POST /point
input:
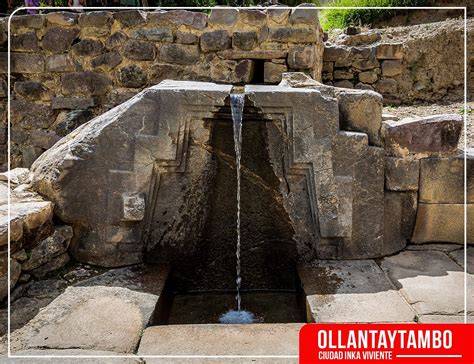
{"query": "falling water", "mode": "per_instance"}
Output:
(237, 109)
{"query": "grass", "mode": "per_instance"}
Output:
(341, 18)
(469, 111)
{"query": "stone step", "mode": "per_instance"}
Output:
(106, 313)
(351, 291)
(219, 339)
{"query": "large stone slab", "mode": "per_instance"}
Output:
(443, 223)
(26, 213)
(68, 357)
(442, 180)
(402, 174)
(89, 318)
(351, 291)
(399, 219)
(423, 137)
(458, 257)
(361, 110)
(152, 132)
(218, 339)
(430, 281)
(348, 200)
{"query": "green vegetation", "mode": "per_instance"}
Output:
(340, 18)
(469, 111)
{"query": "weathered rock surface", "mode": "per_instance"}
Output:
(221, 16)
(89, 318)
(361, 111)
(130, 18)
(399, 218)
(215, 41)
(139, 51)
(27, 63)
(136, 125)
(179, 54)
(60, 63)
(85, 83)
(273, 72)
(402, 174)
(251, 339)
(458, 257)
(72, 103)
(391, 68)
(442, 180)
(193, 19)
(17, 176)
(443, 223)
(26, 214)
(424, 136)
(430, 281)
(49, 248)
(15, 270)
(87, 48)
(32, 90)
(131, 76)
(59, 40)
(351, 291)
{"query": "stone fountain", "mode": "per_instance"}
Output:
(152, 179)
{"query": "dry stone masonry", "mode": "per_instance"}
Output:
(409, 64)
(70, 67)
(37, 245)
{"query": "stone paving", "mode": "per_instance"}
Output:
(424, 283)
(108, 314)
(352, 291)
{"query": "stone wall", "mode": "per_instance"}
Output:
(405, 64)
(67, 68)
(37, 245)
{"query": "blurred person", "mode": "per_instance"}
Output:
(32, 4)
(76, 3)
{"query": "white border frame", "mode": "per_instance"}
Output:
(85, 9)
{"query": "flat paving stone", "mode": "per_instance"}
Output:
(444, 319)
(139, 278)
(431, 281)
(458, 257)
(352, 291)
(89, 318)
(72, 352)
(220, 339)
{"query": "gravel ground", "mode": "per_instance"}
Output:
(405, 111)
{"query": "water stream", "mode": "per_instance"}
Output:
(237, 109)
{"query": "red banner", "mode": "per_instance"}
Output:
(395, 343)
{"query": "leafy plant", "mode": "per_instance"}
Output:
(341, 18)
